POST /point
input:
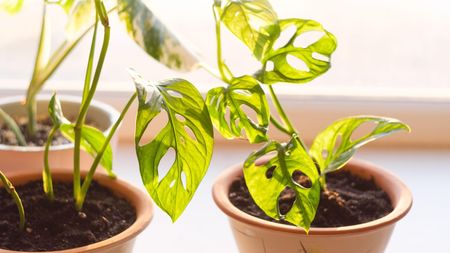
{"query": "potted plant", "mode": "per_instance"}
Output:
(288, 197)
(24, 123)
(74, 216)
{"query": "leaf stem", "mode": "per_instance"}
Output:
(278, 125)
(87, 80)
(223, 69)
(211, 70)
(46, 174)
(289, 128)
(88, 179)
(39, 63)
(12, 191)
(86, 103)
(11, 124)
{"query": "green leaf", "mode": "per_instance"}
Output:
(334, 147)
(254, 22)
(188, 132)
(11, 6)
(283, 161)
(92, 139)
(316, 55)
(154, 37)
(243, 92)
(56, 113)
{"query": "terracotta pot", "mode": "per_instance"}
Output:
(14, 158)
(254, 235)
(120, 243)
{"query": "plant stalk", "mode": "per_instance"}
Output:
(223, 69)
(40, 62)
(46, 174)
(88, 179)
(11, 124)
(86, 103)
(9, 187)
(289, 128)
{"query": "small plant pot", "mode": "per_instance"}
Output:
(254, 235)
(16, 158)
(120, 243)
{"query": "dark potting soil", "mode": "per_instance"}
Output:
(43, 127)
(349, 200)
(57, 225)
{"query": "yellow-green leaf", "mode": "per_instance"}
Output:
(266, 181)
(334, 146)
(254, 22)
(188, 132)
(243, 93)
(314, 57)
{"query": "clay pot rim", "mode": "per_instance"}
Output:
(112, 113)
(398, 192)
(138, 198)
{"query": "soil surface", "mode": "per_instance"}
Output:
(43, 126)
(349, 200)
(57, 225)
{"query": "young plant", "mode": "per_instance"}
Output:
(257, 25)
(189, 131)
(154, 38)
(9, 188)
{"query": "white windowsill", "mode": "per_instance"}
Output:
(311, 108)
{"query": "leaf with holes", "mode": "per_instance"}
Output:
(315, 55)
(254, 22)
(155, 38)
(11, 6)
(334, 147)
(92, 139)
(188, 131)
(267, 176)
(243, 92)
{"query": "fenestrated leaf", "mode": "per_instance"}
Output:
(11, 6)
(92, 139)
(254, 22)
(188, 132)
(316, 56)
(265, 189)
(334, 147)
(154, 37)
(243, 91)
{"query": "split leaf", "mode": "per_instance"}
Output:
(267, 179)
(188, 132)
(311, 59)
(244, 92)
(334, 147)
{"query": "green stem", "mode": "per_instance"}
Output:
(12, 191)
(284, 118)
(211, 70)
(88, 179)
(87, 79)
(223, 69)
(12, 125)
(280, 126)
(85, 105)
(39, 63)
(46, 174)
